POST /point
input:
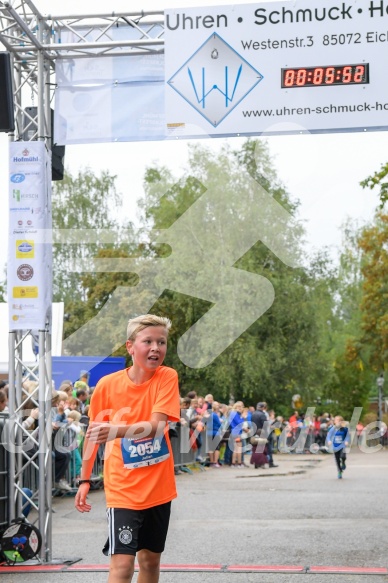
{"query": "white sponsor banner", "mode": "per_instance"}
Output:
(29, 268)
(314, 66)
(108, 99)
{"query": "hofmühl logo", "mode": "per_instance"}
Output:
(25, 157)
(25, 272)
(215, 79)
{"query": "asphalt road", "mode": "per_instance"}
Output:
(296, 514)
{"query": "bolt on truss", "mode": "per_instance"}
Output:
(35, 42)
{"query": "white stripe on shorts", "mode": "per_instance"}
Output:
(111, 524)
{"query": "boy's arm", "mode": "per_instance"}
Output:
(88, 458)
(102, 432)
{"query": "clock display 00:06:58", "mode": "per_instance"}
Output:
(325, 76)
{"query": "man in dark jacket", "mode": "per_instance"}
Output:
(259, 417)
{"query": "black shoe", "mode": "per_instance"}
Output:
(273, 466)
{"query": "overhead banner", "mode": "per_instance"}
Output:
(29, 268)
(110, 99)
(250, 69)
(308, 66)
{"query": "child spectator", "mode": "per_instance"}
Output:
(77, 434)
(213, 433)
(61, 458)
(236, 426)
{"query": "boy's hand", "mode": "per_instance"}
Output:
(101, 432)
(80, 498)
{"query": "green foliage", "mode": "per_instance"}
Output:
(378, 179)
(281, 352)
(353, 381)
(80, 202)
(374, 304)
(302, 344)
(2, 292)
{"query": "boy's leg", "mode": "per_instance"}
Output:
(121, 568)
(149, 566)
(337, 455)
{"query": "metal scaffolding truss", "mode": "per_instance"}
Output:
(25, 32)
(35, 42)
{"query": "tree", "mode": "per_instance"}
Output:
(374, 304)
(350, 375)
(378, 179)
(79, 202)
(297, 346)
(280, 351)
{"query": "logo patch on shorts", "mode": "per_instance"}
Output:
(125, 535)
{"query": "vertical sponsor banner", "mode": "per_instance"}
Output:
(29, 271)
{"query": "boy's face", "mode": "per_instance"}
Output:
(149, 347)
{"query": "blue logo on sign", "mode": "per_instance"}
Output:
(17, 178)
(215, 79)
(25, 248)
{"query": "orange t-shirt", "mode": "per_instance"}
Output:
(138, 473)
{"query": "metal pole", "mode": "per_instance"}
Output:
(18, 433)
(11, 433)
(49, 458)
(45, 482)
(380, 413)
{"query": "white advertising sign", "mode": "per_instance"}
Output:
(281, 67)
(29, 268)
(109, 99)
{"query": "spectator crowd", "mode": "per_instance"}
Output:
(221, 435)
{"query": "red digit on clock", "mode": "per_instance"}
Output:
(318, 76)
(289, 78)
(359, 74)
(301, 77)
(347, 74)
(329, 75)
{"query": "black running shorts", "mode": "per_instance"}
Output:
(133, 530)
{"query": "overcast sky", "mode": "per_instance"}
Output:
(323, 171)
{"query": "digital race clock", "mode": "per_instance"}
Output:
(325, 76)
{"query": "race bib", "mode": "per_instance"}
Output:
(138, 453)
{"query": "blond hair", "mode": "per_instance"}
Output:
(136, 325)
(75, 415)
(58, 396)
(339, 420)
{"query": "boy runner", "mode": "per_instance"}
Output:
(337, 440)
(129, 411)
